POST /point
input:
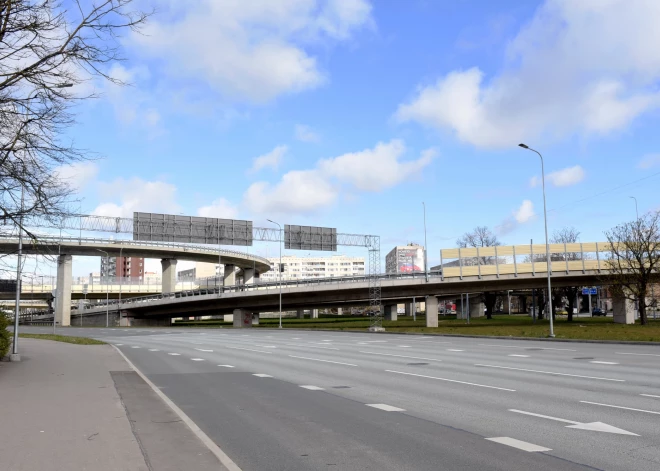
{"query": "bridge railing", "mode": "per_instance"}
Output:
(524, 259)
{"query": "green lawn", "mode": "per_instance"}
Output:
(597, 328)
(62, 338)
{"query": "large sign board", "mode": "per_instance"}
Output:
(8, 286)
(191, 229)
(310, 238)
(410, 260)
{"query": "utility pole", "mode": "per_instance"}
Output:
(279, 268)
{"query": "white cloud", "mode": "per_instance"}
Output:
(253, 50)
(220, 208)
(303, 191)
(272, 159)
(136, 194)
(522, 215)
(306, 134)
(525, 212)
(375, 169)
(566, 177)
(559, 79)
(649, 161)
(299, 191)
(79, 174)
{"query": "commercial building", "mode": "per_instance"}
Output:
(405, 259)
(300, 268)
(124, 267)
(200, 271)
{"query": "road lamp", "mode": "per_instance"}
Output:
(107, 293)
(547, 245)
(636, 210)
(426, 264)
(279, 268)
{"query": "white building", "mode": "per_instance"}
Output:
(300, 268)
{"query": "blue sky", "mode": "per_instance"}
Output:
(350, 113)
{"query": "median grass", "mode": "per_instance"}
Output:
(62, 338)
(583, 328)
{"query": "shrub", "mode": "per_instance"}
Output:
(5, 335)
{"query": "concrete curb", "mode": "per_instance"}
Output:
(427, 334)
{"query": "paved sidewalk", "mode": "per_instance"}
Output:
(60, 410)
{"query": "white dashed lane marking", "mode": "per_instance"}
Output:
(197, 359)
(649, 395)
(311, 388)
(520, 356)
(135, 346)
(525, 446)
(550, 373)
(386, 407)
(454, 350)
(621, 407)
(604, 362)
(226, 366)
(261, 375)
(324, 361)
(154, 350)
(204, 350)
(174, 354)
(451, 380)
(399, 356)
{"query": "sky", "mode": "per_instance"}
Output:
(352, 113)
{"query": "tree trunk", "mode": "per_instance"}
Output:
(489, 301)
(540, 304)
(642, 306)
(571, 295)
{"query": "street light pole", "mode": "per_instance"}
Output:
(107, 293)
(14, 350)
(636, 210)
(426, 264)
(279, 269)
(547, 244)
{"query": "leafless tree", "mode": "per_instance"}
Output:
(634, 261)
(47, 47)
(566, 235)
(480, 236)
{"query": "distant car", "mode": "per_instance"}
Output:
(561, 312)
(598, 312)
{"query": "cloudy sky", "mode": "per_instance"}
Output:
(351, 113)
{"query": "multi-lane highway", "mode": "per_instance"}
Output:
(300, 400)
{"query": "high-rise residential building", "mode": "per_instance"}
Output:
(124, 267)
(405, 259)
(300, 268)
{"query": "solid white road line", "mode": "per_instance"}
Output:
(197, 359)
(174, 354)
(604, 362)
(639, 354)
(386, 407)
(549, 372)
(400, 356)
(204, 350)
(261, 375)
(451, 380)
(248, 349)
(154, 350)
(512, 442)
(520, 356)
(621, 407)
(226, 366)
(649, 395)
(311, 388)
(324, 361)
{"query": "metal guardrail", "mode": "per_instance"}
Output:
(41, 239)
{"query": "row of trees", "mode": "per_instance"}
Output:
(633, 263)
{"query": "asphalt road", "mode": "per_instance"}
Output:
(300, 400)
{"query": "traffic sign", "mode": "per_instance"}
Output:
(587, 291)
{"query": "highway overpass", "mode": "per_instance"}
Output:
(250, 266)
(479, 270)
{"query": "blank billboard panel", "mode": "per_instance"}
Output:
(310, 238)
(191, 229)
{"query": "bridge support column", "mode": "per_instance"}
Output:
(408, 306)
(230, 275)
(169, 274)
(431, 311)
(248, 276)
(623, 310)
(255, 318)
(242, 318)
(301, 313)
(340, 311)
(461, 309)
(315, 314)
(63, 299)
(391, 313)
(476, 308)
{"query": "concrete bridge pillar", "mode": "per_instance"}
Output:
(623, 310)
(431, 311)
(408, 306)
(242, 318)
(315, 314)
(230, 275)
(169, 274)
(461, 309)
(391, 313)
(340, 311)
(476, 308)
(301, 313)
(63, 299)
(248, 276)
(255, 318)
